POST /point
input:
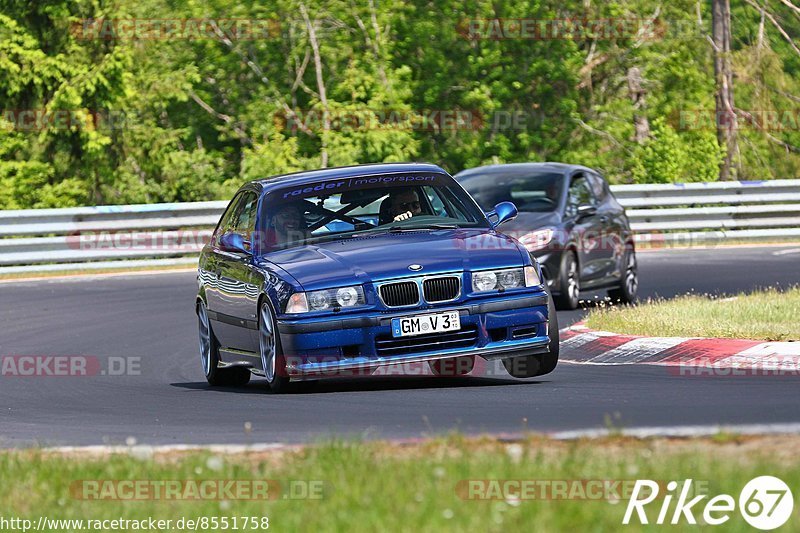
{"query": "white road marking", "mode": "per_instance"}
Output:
(681, 431)
(68, 278)
(224, 449)
(589, 433)
(787, 252)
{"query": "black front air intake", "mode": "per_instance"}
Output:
(400, 294)
(441, 289)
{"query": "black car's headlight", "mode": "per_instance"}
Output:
(342, 297)
(538, 239)
(507, 278)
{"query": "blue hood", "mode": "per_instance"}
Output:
(388, 255)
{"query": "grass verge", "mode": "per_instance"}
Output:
(16, 276)
(770, 315)
(385, 486)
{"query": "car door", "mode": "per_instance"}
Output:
(587, 230)
(211, 265)
(239, 283)
(610, 215)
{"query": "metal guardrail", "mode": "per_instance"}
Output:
(711, 212)
(85, 238)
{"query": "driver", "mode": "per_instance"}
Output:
(289, 224)
(404, 205)
(551, 191)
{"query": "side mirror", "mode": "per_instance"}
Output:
(586, 210)
(234, 242)
(504, 211)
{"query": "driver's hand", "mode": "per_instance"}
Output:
(403, 216)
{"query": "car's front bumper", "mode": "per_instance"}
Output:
(498, 328)
(550, 264)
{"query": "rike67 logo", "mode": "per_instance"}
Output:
(765, 503)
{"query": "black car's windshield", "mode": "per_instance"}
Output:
(538, 192)
(319, 211)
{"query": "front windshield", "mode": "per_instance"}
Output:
(342, 208)
(537, 192)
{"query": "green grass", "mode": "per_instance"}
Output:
(769, 314)
(382, 486)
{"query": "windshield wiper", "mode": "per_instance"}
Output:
(423, 226)
(399, 229)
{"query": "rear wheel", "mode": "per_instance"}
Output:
(269, 345)
(569, 283)
(455, 366)
(209, 356)
(626, 292)
(529, 366)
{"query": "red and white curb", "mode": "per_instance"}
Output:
(582, 345)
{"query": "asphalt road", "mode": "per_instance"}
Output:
(148, 322)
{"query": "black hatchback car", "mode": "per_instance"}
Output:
(569, 220)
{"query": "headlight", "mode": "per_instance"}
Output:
(304, 302)
(484, 281)
(347, 296)
(507, 278)
(319, 300)
(537, 240)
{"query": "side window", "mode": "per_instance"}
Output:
(580, 193)
(436, 202)
(226, 222)
(246, 219)
(598, 187)
(453, 205)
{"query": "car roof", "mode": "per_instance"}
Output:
(353, 171)
(523, 168)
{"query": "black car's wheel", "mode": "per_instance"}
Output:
(626, 292)
(569, 283)
(209, 356)
(269, 345)
(538, 365)
(455, 366)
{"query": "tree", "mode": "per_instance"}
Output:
(723, 74)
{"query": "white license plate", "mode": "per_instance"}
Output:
(425, 324)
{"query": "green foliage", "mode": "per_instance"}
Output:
(180, 119)
(667, 157)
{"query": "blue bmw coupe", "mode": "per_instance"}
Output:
(337, 272)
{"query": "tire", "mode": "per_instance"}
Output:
(454, 366)
(626, 292)
(529, 366)
(569, 282)
(209, 356)
(271, 351)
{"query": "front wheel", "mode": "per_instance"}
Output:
(269, 345)
(627, 291)
(209, 356)
(569, 282)
(529, 366)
